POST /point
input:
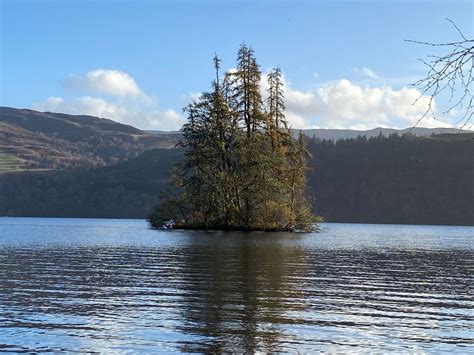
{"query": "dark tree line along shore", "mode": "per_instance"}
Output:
(411, 180)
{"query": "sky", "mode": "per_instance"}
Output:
(346, 64)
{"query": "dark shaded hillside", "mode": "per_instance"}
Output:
(125, 190)
(378, 180)
(426, 180)
(45, 140)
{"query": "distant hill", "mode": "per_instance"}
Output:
(336, 134)
(46, 140)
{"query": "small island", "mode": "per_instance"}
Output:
(243, 168)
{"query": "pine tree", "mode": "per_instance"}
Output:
(276, 101)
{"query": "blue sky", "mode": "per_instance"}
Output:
(346, 63)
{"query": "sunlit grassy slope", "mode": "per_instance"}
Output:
(9, 162)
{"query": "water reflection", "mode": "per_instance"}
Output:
(238, 291)
(132, 290)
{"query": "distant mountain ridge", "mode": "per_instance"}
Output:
(336, 134)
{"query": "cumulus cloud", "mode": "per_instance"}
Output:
(85, 105)
(106, 81)
(120, 90)
(166, 120)
(95, 106)
(343, 104)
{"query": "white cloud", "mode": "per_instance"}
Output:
(106, 81)
(297, 121)
(370, 73)
(120, 105)
(95, 106)
(85, 105)
(166, 120)
(342, 104)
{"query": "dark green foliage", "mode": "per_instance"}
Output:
(243, 170)
(410, 180)
(126, 190)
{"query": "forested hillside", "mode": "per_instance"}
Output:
(125, 190)
(425, 180)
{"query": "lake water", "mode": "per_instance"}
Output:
(117, 286)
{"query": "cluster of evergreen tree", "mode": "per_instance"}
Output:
(243, 168)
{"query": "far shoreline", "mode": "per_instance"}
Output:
(183, 229)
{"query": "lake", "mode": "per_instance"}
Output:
(116, 286)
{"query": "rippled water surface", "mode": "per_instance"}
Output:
(116, 286)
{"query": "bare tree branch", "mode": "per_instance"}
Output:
(451, 73)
